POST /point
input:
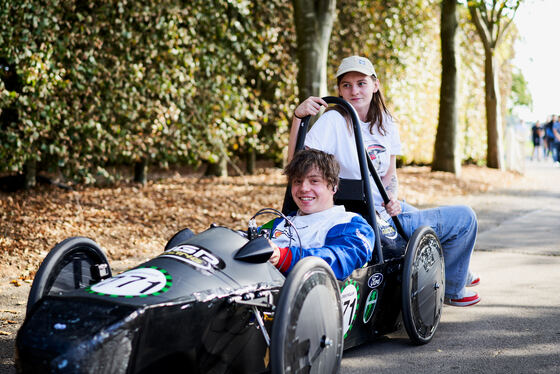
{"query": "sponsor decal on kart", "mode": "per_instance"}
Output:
(197, 257)
(349, 297)
(139, 282)
(369, 307)
(375, 280)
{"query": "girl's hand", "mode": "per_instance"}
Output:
(393, 207)
(310, 107)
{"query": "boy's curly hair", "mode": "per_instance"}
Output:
(307, 159)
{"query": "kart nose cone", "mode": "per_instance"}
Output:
(77, 336)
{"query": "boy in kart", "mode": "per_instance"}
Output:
(343, 239)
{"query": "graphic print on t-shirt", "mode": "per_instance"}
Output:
(374, 152)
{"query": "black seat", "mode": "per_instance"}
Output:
(350, 193)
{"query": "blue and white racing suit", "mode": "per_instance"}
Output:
(343, 239)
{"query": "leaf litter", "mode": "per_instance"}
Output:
(130, 221)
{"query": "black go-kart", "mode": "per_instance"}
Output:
(212, 303)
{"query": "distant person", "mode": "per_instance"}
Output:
(516, 137)
(549, 136)
(556, 141)
(537, 133)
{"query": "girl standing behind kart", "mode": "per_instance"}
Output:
(456, 226)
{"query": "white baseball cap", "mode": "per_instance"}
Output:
(356, 63)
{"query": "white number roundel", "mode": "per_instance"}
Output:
(349, 299)
(136, 282)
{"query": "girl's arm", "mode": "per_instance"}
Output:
(309, 107)
(390, 180)
(391, 183)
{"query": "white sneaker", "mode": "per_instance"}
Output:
(472, 280)
(469, 299)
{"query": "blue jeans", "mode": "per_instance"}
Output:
(555, 151)
(456, 228)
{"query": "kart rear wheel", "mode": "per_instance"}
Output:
(423, 285)
(307, 330)
(73, 263)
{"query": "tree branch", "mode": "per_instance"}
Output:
(483, 31)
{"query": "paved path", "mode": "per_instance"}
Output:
(516, 326)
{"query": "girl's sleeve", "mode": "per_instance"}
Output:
(322, 135)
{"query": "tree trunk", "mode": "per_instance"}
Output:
(251, 161)
(446, 157)
(29, 174)
(218, 169)
(313, 20)
(491, 23)
(141, 171)
(494, 158)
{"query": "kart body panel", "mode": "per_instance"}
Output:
(185, 310)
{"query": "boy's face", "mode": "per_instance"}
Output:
(311, 192)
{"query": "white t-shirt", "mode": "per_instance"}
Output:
(331, 134)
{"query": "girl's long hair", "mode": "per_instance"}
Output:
(375, 112)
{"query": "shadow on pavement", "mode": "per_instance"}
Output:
(497, 340)
(7, 355)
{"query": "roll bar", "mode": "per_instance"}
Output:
(366, 169)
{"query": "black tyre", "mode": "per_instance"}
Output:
(73, 263)
(423, 285)
(179, 238)
(307, 330)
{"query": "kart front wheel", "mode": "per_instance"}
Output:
(423, 285)
(73, 263)
(307, 330)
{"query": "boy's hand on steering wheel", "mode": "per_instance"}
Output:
(309, 107)
(275, 255)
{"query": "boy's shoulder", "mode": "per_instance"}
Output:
(348, 217)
